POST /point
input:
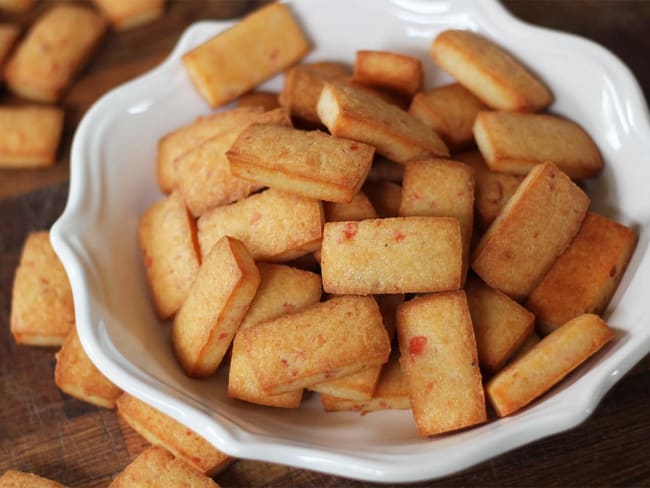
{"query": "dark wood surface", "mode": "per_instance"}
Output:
(45, 431)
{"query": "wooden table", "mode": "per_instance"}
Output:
(49, 433)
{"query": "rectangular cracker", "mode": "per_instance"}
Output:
(398, 255)
(450, 110)
(357, 386)
(355, 114)
(492, 190)
(385, 196)
(501, 325)
(359, 208)
(515, 143)
(303, 84)
(275, 226)
(585, 277)
(29, 136)
(203, 174)
(441, 188)
(282, 290)
(439, 360)
(534, 228)
(317, 343)
(161, 430)
(182, 140)
(169, 246)
(264, 99)
(547, 363)
(157, 467)
(56, 47)
(311, 164)
(42, 311)
(261, 45)
(76, 375)
(19, 479)
(127, 14)
(389, 70)
(489, 72)
(218, 301)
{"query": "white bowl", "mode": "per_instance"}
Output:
(113, 182)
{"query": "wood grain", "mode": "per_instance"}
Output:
(47, 432)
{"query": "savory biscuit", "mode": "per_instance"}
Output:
(359, 208)
(18, 479)
(389, 70)
(489, 72)
(126, 14)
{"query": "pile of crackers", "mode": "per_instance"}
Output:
(40, 66)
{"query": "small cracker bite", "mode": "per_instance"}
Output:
(155, 467)
(489, 72)
(168, 242)
(42, 311)
(163, 431)
(215, 306)
(355, 114)
(18, 479)
(389, 70)
(127, 14)
(77, 376)
(71, 33)
(269, 40)
(29, 136)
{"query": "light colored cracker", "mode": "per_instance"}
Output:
(585, 277)
(385, 169)
(317, 343)
(311, 164)
(534, 228)
(42, 311)
(492, 190)
(303, 84)
(261, 45)
(56, 47)
(18, 479)
(264, 99)
(547, 363)
(163, 431)
(127, 14)
(29, 136)
(359, 208)
(439, 360)
(489, 72)
(203, 174)
(450, 110)
(155, 467)
(168, 242)
(385, 196)
(357, 386)
(76, 375)
(16, 6)
(501, 325)
(355, 114)
(398, 255)
(282, 290)
(515, 143)
(218, 301)
(274, 226)
(389, 70)
(441, 188)
(182, 140)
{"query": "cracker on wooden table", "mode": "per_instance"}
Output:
(18, 479)
(161, 430)
(266, 100)
(16, 6)
(56, 47)
(534, 228)
(547, 363)
(282, 290)
(269, 40)
(389, 70)
(450, 110)
(385, 196)
(42, 311)
(396, 255)
(439, 360)
(355, 114)
(127, 14)
(29, 136)
(274, 226)
(76, 375)
(218, 301)
(308, 163)
(489, 72)
(317, 344)
(155, 467)
(585, 277)
(515, 143)
(168, 242)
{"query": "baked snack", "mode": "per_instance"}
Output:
(127, 14)
(18, 479)
(389, 70)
